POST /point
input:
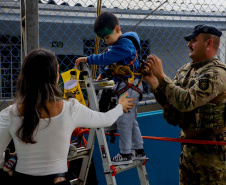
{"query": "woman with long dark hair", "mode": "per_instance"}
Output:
(40, 122)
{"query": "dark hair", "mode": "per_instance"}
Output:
(216, 40)
(37, 85)
(105, 20)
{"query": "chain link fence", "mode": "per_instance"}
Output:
(66, 28)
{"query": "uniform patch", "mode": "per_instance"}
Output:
(204, 84)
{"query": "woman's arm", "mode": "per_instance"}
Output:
(5, 136)
(85, 117)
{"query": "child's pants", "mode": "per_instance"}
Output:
(130, 136)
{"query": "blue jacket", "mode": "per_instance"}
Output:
(122, 52)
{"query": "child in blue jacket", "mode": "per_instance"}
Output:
(122, 51)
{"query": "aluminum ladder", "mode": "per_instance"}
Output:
(109, 170)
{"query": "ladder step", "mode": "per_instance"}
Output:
(122, 168)
(98, 85)
(135, 163)
(74, 181)
(112, 127)
(81, 152)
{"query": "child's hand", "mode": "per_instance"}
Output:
(81, 59)
(126, 102)
(100, 77)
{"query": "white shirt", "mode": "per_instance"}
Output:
(49, 154)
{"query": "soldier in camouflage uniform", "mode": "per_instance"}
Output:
(195, 100)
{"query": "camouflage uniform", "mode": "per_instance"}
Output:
(195, 100)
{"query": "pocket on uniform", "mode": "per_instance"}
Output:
(217, 175)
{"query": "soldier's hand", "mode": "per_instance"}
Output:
(156, 67)
(150, 78)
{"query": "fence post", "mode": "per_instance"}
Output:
(29, 26)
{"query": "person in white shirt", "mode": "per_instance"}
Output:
(40, 122)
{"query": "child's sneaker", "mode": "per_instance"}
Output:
(121, 159)
(138, 154)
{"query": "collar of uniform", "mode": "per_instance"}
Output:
(197, 65)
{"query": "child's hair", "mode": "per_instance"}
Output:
(37, 85)
(105, 20)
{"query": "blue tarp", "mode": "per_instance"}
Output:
(162, 167)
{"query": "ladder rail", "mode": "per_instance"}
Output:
(92, 135)
(87, 160)
(99, 132)
(143, 175)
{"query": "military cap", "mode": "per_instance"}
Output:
(203, 28)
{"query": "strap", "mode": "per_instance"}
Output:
(132, 61)
(124, 89)
(121, 91)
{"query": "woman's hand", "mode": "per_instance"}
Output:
(10, 161)
(126, 102)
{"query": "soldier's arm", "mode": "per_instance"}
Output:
(207, 87)
(154, 84)
(160, 97)
(159, 94)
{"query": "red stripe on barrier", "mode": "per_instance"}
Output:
(201, 142)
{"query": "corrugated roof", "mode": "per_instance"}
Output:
(172, 5)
